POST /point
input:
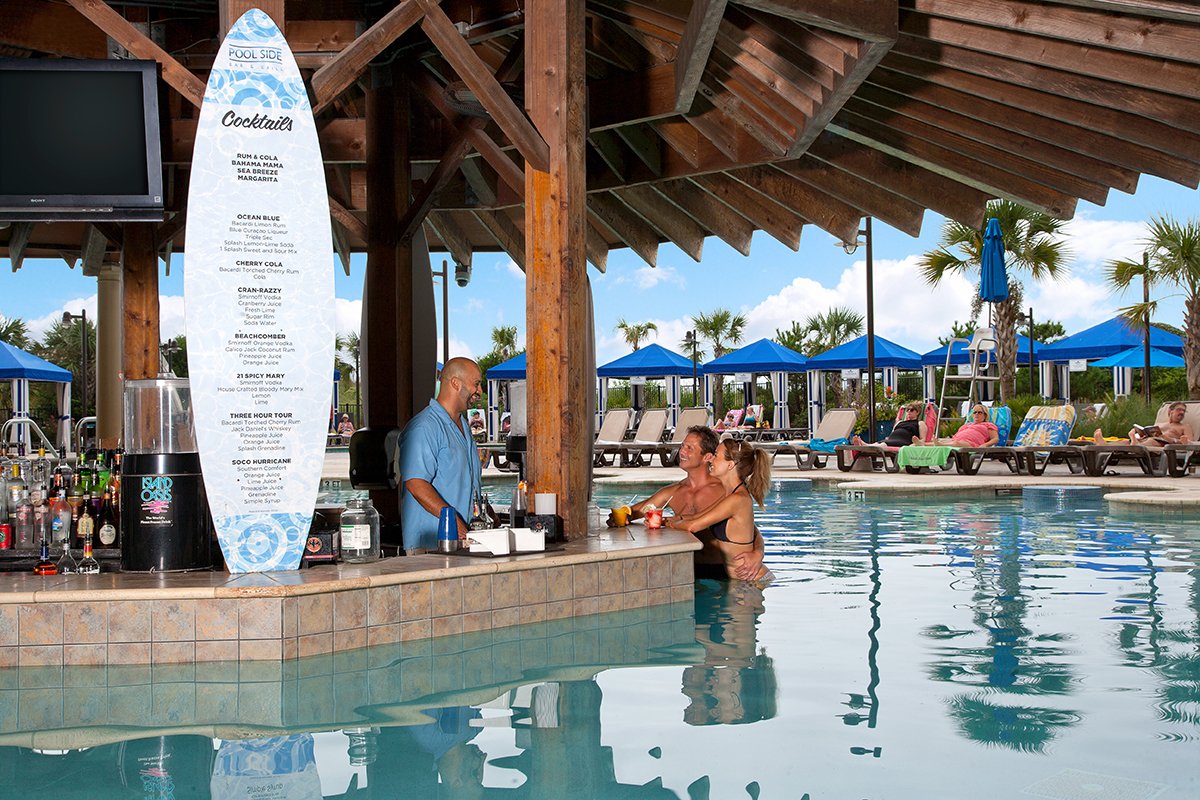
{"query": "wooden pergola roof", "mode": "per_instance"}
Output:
(705, 118)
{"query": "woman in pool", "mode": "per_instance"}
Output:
(978, 432)
(744, 470)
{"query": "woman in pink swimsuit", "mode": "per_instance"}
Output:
(979, 432)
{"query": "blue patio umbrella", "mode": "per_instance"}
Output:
(993, 278)
(1135, 357)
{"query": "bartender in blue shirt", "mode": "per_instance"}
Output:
(438, 459)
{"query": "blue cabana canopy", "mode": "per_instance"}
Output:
(511, 370)
(1136, 357)
(652, 361)
(16, 364)
(937, 358)
(761, 356)
(853, 354)
(1107, 339)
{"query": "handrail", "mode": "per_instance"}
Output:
(24, 421)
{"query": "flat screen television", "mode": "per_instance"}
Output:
(79, 140)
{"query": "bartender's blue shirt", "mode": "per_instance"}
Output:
(434, 449)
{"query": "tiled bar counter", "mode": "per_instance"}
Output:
(184, 618)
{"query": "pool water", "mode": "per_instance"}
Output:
(999, 647)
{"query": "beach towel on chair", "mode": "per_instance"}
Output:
(823, 446)
(1046, 426)
(1001, 417)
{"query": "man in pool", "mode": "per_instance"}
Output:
(697, 491)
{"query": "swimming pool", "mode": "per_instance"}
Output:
(995, 647)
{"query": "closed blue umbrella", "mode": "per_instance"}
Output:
(993, 278)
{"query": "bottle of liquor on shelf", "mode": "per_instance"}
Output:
(39, 478)
(108, 528)
(15, 489)
(86, 526)
(88, 565)
(60, 518)
(5, 511)
(103, 469)
(114, 489)
(66, 562)
(478, 520)
(23, 522)
(45, 566)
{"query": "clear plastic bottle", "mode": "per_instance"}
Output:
(360, 531)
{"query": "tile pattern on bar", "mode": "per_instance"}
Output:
(191, 620)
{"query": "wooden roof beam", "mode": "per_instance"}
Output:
(51, 28)
(629, 228)
(629, 98)
(608, 146)
(505, 232)
(986, 177)
(595, 244)
(1128, 31)
(644, 145)
(871, 52)
(826, 212)
(1147, 118)
(644, 20)
(1097, 173)
(872, 20)
(483, 185)
(451, 235)
(345, 217)
(1106, 66)
(516, 126)
(710, 213)
(784, 45)
(872, 200)
(1178, 10)
(671, 222)
(343, 70)
(765, 213)
(1098, 146)
(18, 240)
(93, 251)
(125, 34)
(945, 195)
(456, 151)
(699, 35)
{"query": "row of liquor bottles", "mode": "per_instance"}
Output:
(41, 501)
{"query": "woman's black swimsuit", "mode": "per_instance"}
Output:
(718, 528)
(903, 433)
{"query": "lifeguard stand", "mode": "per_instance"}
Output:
(981, 352)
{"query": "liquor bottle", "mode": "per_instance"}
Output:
(23, 522)
(478, 520)
(84, 475)
(66, 562)
(516, 512)
(75, 500)
(114, 489)
(16, 488)
(86, 525)
(39, 478)
(60, 519)
(5, 511)
(103, 470)
(88, 565)
(45, 566)
(108, 529)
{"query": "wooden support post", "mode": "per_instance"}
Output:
(140, 290)
(560, 429)
(385, 355)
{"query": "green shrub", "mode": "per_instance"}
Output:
(1120, 416)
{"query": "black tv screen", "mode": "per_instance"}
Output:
(80, 140)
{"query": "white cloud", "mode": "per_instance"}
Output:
(647, 277)
(1074, 301)
(1094, 241)
(347, 316)
(472, 305)
(510, 266)
(457, 348)
(39, 325)
(907, 310)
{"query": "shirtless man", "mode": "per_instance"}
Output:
(1174, 431)
(697, 491)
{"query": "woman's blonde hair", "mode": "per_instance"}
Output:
(753, 466)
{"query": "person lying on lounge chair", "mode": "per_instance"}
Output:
(1171, 432)
(979, 432)
(912, 426)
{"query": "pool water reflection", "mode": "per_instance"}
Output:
(982, 648)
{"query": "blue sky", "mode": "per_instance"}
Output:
(772, 286)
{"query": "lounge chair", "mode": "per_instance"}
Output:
(882, 455)
(1040, 441)
(835, 428)
(611, 435)
(1173, 459)
(732, 418)
(647, 437)
(668, 451)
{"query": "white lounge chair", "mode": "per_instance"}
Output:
(647, 437)
(611, 435)
(836, 424)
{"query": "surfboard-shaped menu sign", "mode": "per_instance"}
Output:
(258, 289)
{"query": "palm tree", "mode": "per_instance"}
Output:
(634, 332)
(1032, 244)
(722, 329)
(822, 332)
(504, 341)
(1172, 256)
(15, 331)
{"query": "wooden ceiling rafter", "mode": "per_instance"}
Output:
(709, 213)
(670, 222)
(871, 20)
(1031, 121)
(823, 210)
(873, 200)
(31, 26)
(628, 227)
(766, 214)
(595, 245)
(975, 78)
(505, 232)
(451, 235)
(343, 70)
(695, 47)
(1101, 173)
(19, 234)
